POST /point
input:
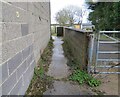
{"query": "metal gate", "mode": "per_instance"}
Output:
(107, 53)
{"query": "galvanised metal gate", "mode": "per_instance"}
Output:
(107, 53)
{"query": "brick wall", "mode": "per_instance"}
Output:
(24, 33)
(77, 41)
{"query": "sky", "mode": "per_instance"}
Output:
(57, 5)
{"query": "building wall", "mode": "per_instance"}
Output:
(77, 42)
(77, 26)
(25, 32)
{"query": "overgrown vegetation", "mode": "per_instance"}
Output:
(82, 77)
(40, 81)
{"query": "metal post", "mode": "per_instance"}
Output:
(97, 48)
(91, 45)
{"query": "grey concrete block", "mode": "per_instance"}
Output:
(31, 48)
(31, 22)
(24, 88)
(17, 88)
(8, 84)
(10, 31)
(0, 91)
(26, 81)
(0, 11)
(13, 14)
(26, 52)
(1, 34)
(22, 5)
(33, 65)
(26, 75)
(10, 48)
(24, 29)
(29, 59)
(29, 39)
(21, 69)
(1, 53)
(4, 71)
(14, 62)
(0, 75)
(30, 7)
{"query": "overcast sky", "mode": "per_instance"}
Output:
(57, 5)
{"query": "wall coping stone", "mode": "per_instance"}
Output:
(77, 30)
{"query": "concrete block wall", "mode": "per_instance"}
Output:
(24, 33)
(78, 42)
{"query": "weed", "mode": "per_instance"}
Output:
(40, 80)
(39, 71)
(82, 77)
(78, 75)
(93, 82)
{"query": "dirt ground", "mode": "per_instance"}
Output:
(109, 84)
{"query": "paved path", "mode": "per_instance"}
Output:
(59, 70)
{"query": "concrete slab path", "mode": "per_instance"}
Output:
(59, 70)
(58, 67)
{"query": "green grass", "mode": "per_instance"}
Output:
(103, 37)
(116, 36)
(54, 34)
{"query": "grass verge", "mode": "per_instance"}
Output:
(40, 81)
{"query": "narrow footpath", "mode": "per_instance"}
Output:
(59, 70)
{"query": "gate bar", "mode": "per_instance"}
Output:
(109, 52)
(109, 31)
(108, 72)
(109, 41)
(117, 60)
(107, 66)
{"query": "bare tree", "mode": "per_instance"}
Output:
(62, 17)
(70, 15)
